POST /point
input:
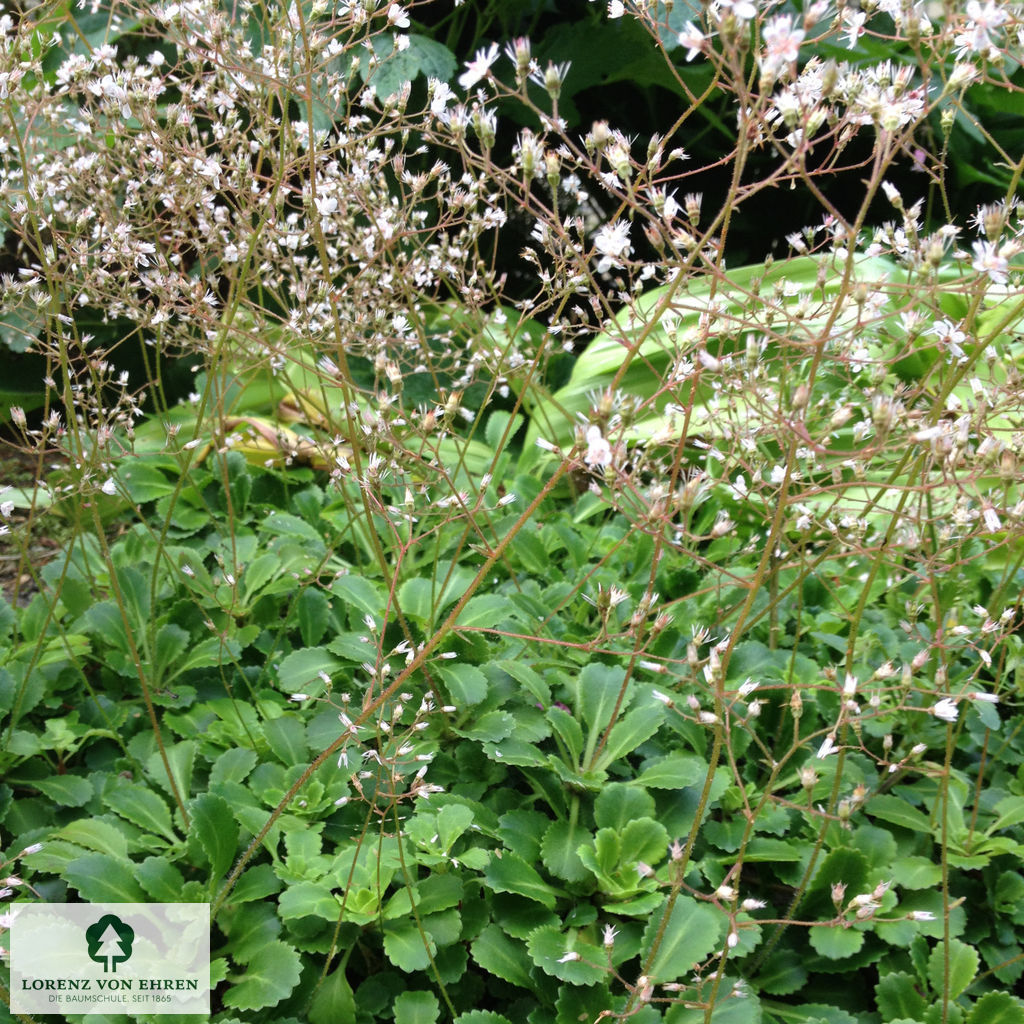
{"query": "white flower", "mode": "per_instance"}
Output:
(693, 39)
(988, 260)
(742, 9)
(109, 487)
(612, 242)
(616, 8)
(569, 957)
(946, 709)
(781, 44)
(397, 16)
(984, 698)
(827, 747)
(478, 67)
(599, 451)
(921, 915)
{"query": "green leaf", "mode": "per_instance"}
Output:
(286, 736)
(916, 873)
(676, 771)
(782, 974)
(644, 840)
(961, 961)
(270, 975)
(1008, 811)
(597, 690)
(466, 684)
(997, 1008)
(65, 790)
(688, 932)
(502, 956)
(309, 899)
(161, 879)
(256, 883)
(180, 757)
(423, 56)
(142, 481)
(101, 878)
(482, 1017)
(897, 996)
(510, 873)
(898, 812)
(416, 1008)
(559, 850)
(232, 766)
(488, 610)
(417, 599)
(548, 947)
(171, 642)
(836, 942)
(638, 726)
(214, 828)
(619, 803)
(142, 807)
(334, 1002)
(405, 947)
(569, 732)
(364, 596)
(500, 423)
(313, 611)
(299, 671)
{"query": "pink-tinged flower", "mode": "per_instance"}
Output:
(981, 22)
(599, 451)
(741, 9)
(781, 44)
(987, 260)
(478, 68)
(693, 39)
(854, 27)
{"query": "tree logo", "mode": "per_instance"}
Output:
(110, 942)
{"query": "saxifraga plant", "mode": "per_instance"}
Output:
(749, 743)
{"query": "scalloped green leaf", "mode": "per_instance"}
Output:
(313, 611)
(566, 956)
(835, 942)
(997, 1008)
(679, 936)
(676, 771)
(215, 830)
(405, 946)
(962, 961)
(270, 975)
(101, 878)
(502, 956)
(142, 807)
(510, 873)
(416, 1007)
(558, 850)
(334, 1002)
(65, 790)
(897, 996)
(161, 879)
(482, 1017)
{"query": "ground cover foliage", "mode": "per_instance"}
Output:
(536, 609)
